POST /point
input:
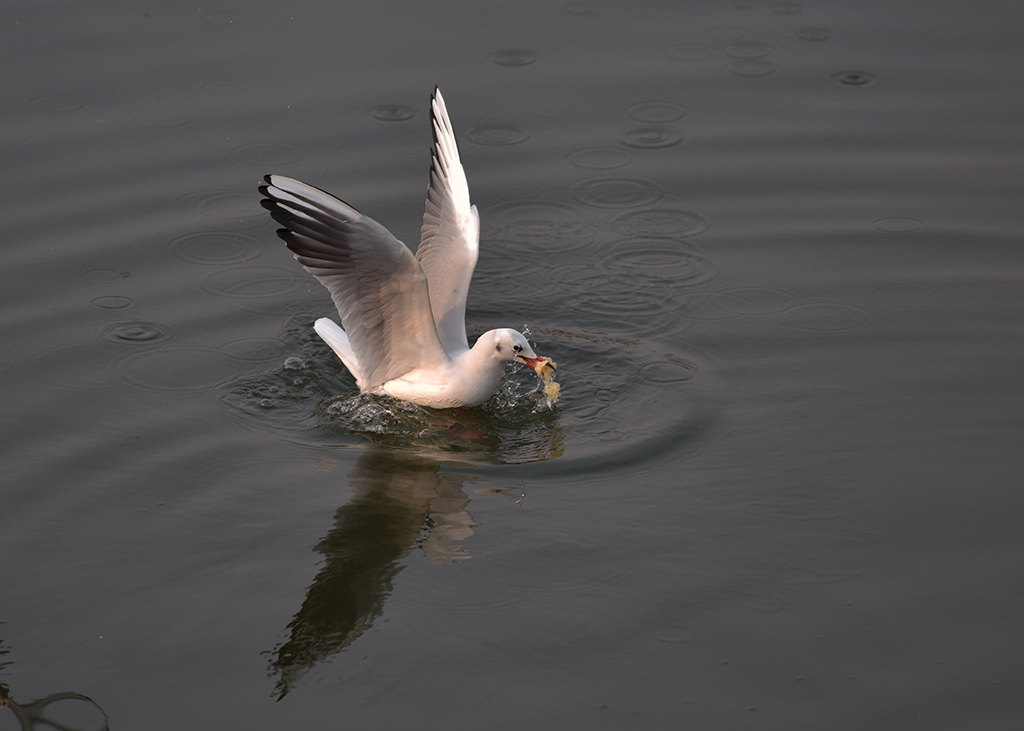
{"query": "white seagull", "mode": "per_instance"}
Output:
(403, 329)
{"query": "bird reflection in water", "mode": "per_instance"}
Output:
(401, 501)
(35, 715)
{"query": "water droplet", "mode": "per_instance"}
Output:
(656, 112)
(293, 364)
(215, 248)
(617, 192)
(266, 403)
(600, 158)
(391, 112)
(854, 79)
(650, 137)
(497, 135)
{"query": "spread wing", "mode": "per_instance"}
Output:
(376, 283)
(450, 236)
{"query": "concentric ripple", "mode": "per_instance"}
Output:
(537, 220)
(251, 282)
(497, 135)
(853, 79)
(113, 302)
(827, 316)
(103, 274)
(215, 248)
(752, 67)
(617, 192)
(176, 369)
(662, 222)
(600, 158)
(656, 112)
(224, 204)
(750, 301)
(391, 113)
(650, 137)
(137, 331)
(664, 262)
(607, 382)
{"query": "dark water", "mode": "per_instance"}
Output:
(774, 247)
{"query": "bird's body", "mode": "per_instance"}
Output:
(403, 327)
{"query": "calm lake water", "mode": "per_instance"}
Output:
(774, 247)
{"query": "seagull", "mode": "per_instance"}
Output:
(403, 317)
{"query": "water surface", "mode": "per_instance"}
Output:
(773, 246)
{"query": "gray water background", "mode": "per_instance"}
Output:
(775, 248)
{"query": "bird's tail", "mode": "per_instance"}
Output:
(337, 338)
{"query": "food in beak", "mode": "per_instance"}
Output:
(545, 369)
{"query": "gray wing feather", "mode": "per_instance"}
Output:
(450, 236)
(375, 281)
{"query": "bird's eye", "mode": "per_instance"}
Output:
(517, 348)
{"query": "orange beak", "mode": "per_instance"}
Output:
(532, 362)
